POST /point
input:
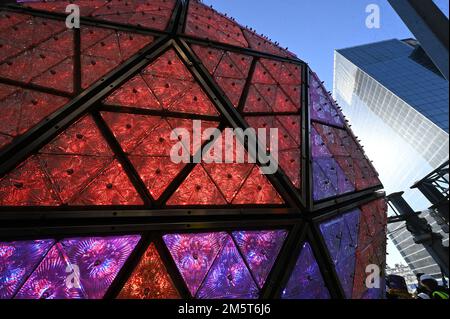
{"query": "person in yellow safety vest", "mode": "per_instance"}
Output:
(431, 287)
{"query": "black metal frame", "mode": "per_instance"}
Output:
(301, 216)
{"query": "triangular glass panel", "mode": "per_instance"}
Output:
(257, 190)
(156, 172)
(134, 93)
(210, 57)
(194, 254)
(169, 66)
(261, 44)
(229, 277)
(48, 281)
(82, 138)
(130, 129)
(69, 174)
(306, 281)
(260, 250)
(232, 87)
(18, 260)
(99, 260)
(290, 163)
(341, 238)
(27, 185)
(150, 279)
(323, 108)
(197, 189)
(206, 23)
(59, 77)
(111, 187)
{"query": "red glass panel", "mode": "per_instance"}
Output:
(32, 31)
(131, 43)
(330, 137)
(10, 112)
(27, 185)
(285, 140)
(210, 57)
(256, 102)
(148, 20)
(232, 87)
(70, 174)
(167, 90)
(61, 43)
(156, 172)
(111, 187)
(107, 48)
(86, 6)
(130, 129)
(259, 43)
(134, 93)
(59, 77)
(206, 23)
(5, 140)
(194, 101)
(262, 76)
(290, 163)
(229, 178)
(82, 138)
(8, 19)
(197, 189)
(24, 109)
(30, 64)
(257, 190)
(7, 50)
(169, 65)
(294, 92)
(283, 73)
(157, 143)
(149, 280)
(292, 125)
(92, 35)
(93, 68)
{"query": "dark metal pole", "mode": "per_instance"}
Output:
(430, 27)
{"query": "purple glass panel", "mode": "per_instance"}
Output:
(306, 281)
(194, 254)
(322, 187)
(48, 281)
(344, 183)
(99, 260)
(260, 249)
(17, 260)
(345, 269)
(341, 238)
(323, 107)
(319, 149)
(228, 278)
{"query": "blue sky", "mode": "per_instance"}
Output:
(313, 29)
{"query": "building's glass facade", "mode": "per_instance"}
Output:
(397, 103)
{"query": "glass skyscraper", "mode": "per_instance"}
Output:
(397, 102)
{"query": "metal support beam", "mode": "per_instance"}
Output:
(422, 232)
(430, 27)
